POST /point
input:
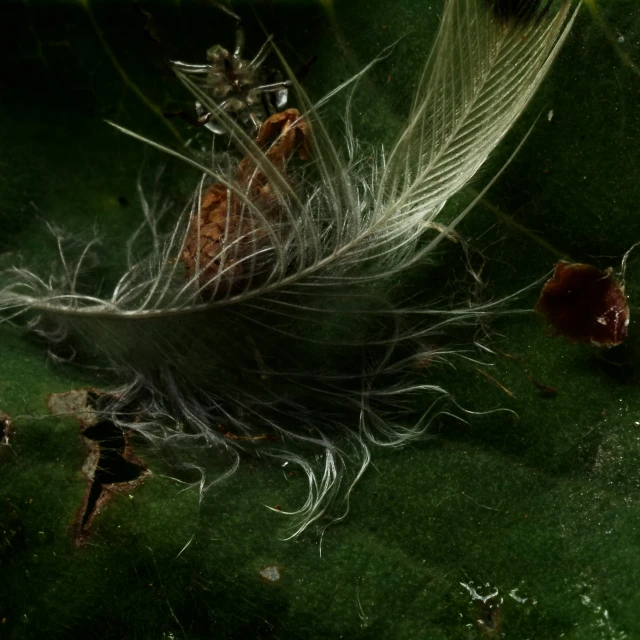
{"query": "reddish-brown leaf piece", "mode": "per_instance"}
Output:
(584, 304)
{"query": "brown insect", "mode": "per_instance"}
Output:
(222, 240)
(584, 304)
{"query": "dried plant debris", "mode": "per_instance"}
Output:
(583, 304)
(110, 467)
(225, 232)
(77, 403)
(545, 389)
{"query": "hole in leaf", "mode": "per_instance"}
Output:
(112, 466)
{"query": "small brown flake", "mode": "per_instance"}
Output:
(583, 304)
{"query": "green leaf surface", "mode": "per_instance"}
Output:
(539, 502)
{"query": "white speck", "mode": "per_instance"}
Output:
(272, 574)
(516, 597)
(550, 115)
(620, 39)
(476, 596)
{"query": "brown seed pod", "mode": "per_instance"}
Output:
(226, 233)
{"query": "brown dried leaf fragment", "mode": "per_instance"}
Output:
(546, 389)
(227, 231)
(233, 436)
(285, 133)
(583, 304)
(498, 384)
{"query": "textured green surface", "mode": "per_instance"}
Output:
(543, 499)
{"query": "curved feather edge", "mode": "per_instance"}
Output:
(312, 350)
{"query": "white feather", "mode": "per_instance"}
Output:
(215, 363)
